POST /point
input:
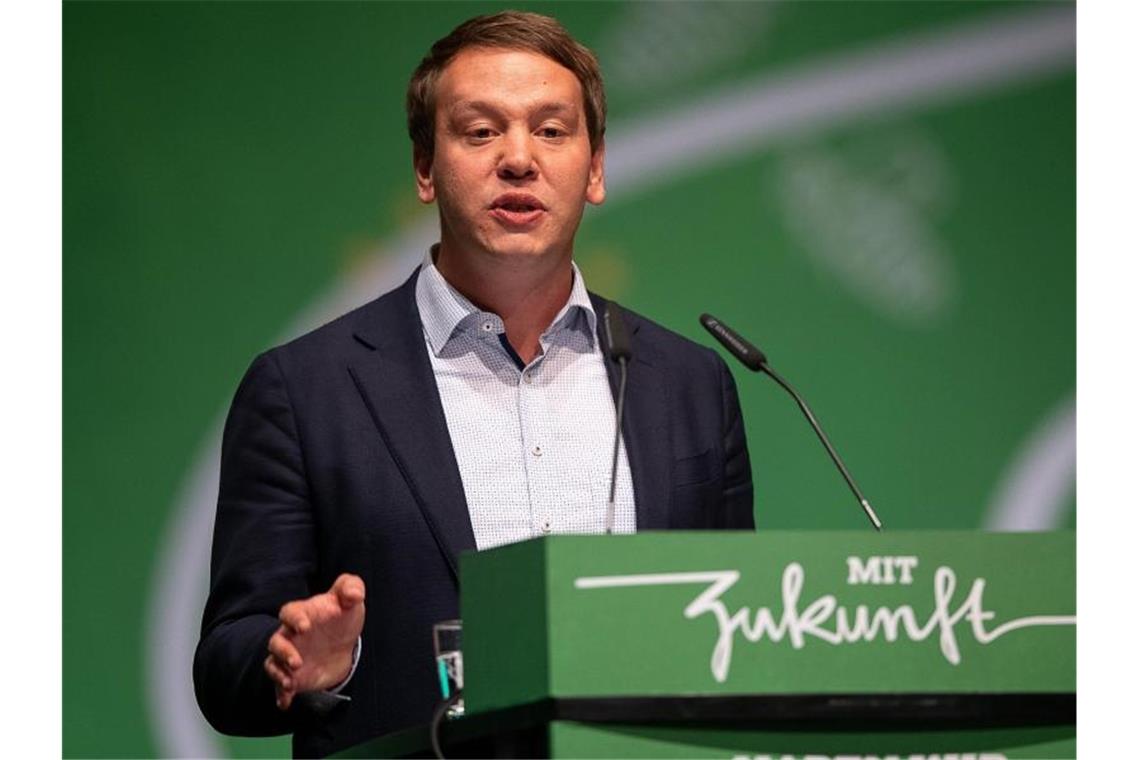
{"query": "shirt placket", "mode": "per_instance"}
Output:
(533, 418)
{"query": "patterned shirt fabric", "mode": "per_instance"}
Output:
(534, 443)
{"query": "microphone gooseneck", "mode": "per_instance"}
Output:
(620, 350)
(753, 358)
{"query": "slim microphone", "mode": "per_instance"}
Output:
(620, 350)
(755, 360)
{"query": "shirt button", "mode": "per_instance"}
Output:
(545, 526)
(488, 326)
(537, 451)
(528, 377)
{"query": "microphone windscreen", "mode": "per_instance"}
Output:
(616, 336)
(748, 354)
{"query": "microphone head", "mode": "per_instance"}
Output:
(748, 354)
(617, 339)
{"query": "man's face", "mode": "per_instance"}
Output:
(512, 168)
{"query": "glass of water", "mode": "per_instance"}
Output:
(447, 638)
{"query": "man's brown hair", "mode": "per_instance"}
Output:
(510, 30)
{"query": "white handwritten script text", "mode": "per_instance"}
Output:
(826, 620)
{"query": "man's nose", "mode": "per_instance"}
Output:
(517, 161)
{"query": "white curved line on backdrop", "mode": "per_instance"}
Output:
(1038, 482)
(877, 80)
(910, 71)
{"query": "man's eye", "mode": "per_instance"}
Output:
(551, 132)
(480, 133)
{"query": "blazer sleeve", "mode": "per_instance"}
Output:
(264, 554)
(737, 503)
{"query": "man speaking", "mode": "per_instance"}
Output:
(469, 408)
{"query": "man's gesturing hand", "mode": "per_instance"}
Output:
(312, 649)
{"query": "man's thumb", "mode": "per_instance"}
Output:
(349, 590)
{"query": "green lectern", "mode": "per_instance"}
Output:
(768, 645)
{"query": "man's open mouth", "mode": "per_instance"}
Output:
(521, 202)
(517, 208)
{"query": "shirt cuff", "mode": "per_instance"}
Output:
(335, 691)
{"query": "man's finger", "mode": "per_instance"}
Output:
(283, 649)
(349, 590)
(283, 694)
(284, 698)
(296, 617)
(280, 678)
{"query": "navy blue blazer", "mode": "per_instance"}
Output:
(336, 458)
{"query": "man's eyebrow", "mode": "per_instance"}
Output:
(486, 107)
(556, 107)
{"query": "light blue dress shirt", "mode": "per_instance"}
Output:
(534, 443)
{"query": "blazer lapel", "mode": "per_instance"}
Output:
(645, 427)
(394, 375)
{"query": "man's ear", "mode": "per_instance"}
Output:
(596, 184)
(425, 185)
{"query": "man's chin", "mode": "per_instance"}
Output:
(522, 251)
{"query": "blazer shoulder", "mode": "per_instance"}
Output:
(363, 326)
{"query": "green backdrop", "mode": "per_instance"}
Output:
(881, 195)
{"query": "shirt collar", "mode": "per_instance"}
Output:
(443, 308)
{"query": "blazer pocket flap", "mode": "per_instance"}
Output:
(694, 469)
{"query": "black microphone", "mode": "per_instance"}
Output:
(748, 354)
(755, 360)
(616, 336)
(620, 350)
